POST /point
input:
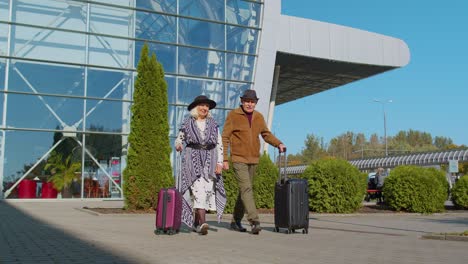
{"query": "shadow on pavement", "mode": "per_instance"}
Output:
(455, 220)
(24, 239)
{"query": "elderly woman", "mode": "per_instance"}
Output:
(202, 161)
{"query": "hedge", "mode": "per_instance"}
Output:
(335, 186)
(460, 193)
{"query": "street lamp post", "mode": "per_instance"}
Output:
(385, 122)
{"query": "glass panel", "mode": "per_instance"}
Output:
(243, 13)
(4, 7)
(209, 9)
(242, 39)
(234, 92)
(218, 115)
(166, 6)
(111, 20)
(201, 62)
(200, 33)
(46, 78)
(189, 88)
(3, 39)
(105, 116)
(165, 54)
(107, 151)
(153, 26)
(29, 111)
(48, 44)
(112, 52)
(239, 67)
(172, 117)
(171, 89)
(24, 148)
(109, 84)
(127, 3)
(2, 74)
(51, 13)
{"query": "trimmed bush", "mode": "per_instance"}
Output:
(231, 188)
(264, 183)
(415, 189)
(460, 193)
(440, 176)
(148, 160)
(335, 186)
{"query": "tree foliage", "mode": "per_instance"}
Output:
(264, 182)
(460, 193)
(148, 160)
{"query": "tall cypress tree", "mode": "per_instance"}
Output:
(148, 161)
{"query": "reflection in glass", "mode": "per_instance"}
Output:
(208, 9)
(51, 13)
(109, 84)
(153, 26)
(239, 67)
(242, 39)
(104, 116)
(111, 52)
(2, 74)
(165, 54)
(171, 89)
(103, 166)
(166, 6)
(200, 33)
(46, 78)
(190, 88)
(23, 149)
(111, 20)
(201, 62)
(234, 92)
(49, 45)
(29, 111)
(243, 13)
(218, 115)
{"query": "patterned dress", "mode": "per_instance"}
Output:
(205, 188)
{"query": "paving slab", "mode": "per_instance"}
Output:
(62, 232)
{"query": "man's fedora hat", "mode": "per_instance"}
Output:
(201, 99)
(250, 94)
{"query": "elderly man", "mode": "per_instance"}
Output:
(241, 132)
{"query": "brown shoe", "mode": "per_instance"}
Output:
(256, 228)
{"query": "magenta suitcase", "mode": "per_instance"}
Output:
(168, 211)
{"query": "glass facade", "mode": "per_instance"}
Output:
(67, 70)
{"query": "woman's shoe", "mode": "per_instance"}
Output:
(203, 229)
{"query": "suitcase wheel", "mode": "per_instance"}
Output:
(289, 231)
(305, 231)
(276, 229)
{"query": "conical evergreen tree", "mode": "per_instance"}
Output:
(148, 161)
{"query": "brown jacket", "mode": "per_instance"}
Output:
(243, 139)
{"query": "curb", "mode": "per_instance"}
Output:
(445, 236)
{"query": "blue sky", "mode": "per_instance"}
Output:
(429, 94)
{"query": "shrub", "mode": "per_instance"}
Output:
(440, 176)
(264, 183)
(335, 186)
(415, 189)
(231, 188)
(460, 193)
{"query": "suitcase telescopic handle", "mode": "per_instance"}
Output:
(178, 167)
(283, 163)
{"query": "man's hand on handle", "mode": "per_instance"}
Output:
(282, 148)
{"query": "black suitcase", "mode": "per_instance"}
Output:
(291, 202)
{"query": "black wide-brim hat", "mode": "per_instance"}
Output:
(201, 99)
(250, 94)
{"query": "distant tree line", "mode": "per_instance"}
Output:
(350, 145)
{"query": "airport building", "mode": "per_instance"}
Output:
(67, 71)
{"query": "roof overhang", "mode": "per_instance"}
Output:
(302, 76)
(315, 56)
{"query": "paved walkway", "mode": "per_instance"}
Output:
(62, 232)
